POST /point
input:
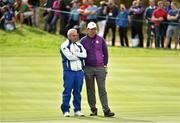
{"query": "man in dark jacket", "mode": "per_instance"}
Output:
(150, 24)
(112, 12)
(136, 12)
(48, 14)
(64, 14)
(35, 4)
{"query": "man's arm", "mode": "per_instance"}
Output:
(153, 18)
(139, 11)
(105, 53)
(80, 53)
(170, 17)
(68, 54)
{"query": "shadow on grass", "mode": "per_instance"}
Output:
(85, 119)
(111, 119)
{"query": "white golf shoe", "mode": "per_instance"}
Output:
(78, 113)
(66, 114)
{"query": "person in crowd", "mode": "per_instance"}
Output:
(83, 15)
(74, 18)
(91, 12)
(52, 27)
(112, 12)
(1, 15)
(167, 8)
(122, 23)
(158, 17)
(35, 4)
(6, 2)
(167, 5)
(101, 17)
(150, 25)
(95, 68)
(1, 3)
(136, 12)
(8, 19)
(78, 28)
(179, 25)
(48, 14)
(65, 8)
(24, 11)
(72, 53)
(173, 27)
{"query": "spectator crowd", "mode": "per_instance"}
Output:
(162, 19)
(18, 11)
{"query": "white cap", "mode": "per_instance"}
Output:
(91, 25)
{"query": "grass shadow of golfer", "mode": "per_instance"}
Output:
(111, 119)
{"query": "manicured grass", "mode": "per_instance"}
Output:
(143, 84)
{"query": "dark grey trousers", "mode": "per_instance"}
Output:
(92, 73)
